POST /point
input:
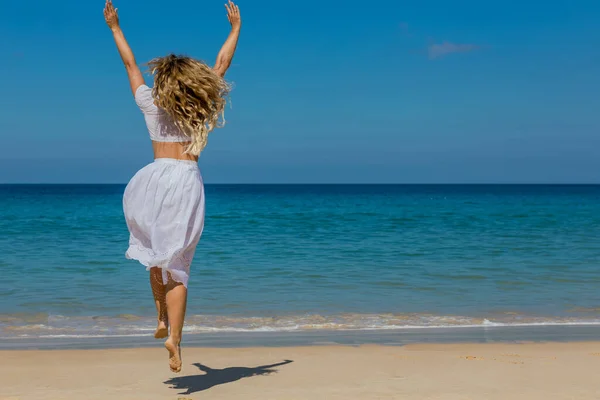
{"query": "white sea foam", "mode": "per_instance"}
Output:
(132, 326)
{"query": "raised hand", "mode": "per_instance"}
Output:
(228, 50)
(233, 15)
(110, 15)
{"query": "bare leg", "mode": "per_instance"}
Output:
(176, 304)
(160, 300)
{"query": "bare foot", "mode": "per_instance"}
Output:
(174, 355)
(162, 330)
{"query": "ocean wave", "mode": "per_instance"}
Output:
(57, 326)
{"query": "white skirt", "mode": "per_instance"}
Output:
(164, 210)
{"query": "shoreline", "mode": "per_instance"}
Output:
(491, 371)
(389, 337)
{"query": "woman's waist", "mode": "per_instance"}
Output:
(175, 161)
(172, 150)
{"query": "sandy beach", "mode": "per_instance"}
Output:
(445, 372)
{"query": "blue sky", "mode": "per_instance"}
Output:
(378, 92)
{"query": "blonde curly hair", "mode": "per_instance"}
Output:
(192, 94)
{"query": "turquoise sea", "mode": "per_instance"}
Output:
(308, 258)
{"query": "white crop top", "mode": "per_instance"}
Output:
(159, 123)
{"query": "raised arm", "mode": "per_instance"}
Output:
(136, 79)
(228, 50)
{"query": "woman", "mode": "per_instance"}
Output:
(164, 201)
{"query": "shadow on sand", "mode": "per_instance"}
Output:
(213, 377)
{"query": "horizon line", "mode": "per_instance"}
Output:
(329, 184)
